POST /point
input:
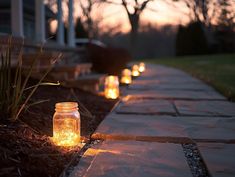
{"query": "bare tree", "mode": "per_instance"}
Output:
(201, 10)
(225, 33)
(226, 14)
(87, 7)
(134, 17)
(91, 23)
(133, 9)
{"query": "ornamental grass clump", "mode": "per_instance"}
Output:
(15, 92)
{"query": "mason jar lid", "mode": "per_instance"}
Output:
(110, 80)
(66, 105)
(126, 72)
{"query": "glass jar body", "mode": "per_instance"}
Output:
(66, 126)
(111, 89)
(135, 71)
(141, 67)
(126, 76)
(126, 79)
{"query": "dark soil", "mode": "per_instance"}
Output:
(25, 146)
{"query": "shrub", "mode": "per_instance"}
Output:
(191, 40)
(225, 40)
(108, 60)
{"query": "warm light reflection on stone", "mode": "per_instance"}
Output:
(126, 76)
(94, 152)
(111, 89)
(141, 67)
(135, 70)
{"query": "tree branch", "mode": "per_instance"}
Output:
(109, 2)
(144, 4)
(124, 3)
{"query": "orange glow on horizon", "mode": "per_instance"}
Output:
(164, 15)
(114, 16)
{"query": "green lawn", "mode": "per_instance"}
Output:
(216, 70)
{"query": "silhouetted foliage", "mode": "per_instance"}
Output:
(225, 40)
(224, 34)
(153, 41)
(108, 60)
(80, 31)
(133, 10)
(191, 40)
(87, 7)
(201, 10)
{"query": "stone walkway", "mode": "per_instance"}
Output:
(163, 109)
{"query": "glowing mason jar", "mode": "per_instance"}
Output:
(141, 67)
(126, 76)
(135, 70)
(111, 87)
(66, 124)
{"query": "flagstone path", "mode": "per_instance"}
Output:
(161, 110)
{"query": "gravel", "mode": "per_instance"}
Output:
(75, 161)
(195, 162)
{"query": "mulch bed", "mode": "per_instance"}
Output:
(25, 146)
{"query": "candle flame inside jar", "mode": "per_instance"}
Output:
(126, 76)
(66, 138)
(135, 70)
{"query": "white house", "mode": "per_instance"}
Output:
(30, 19)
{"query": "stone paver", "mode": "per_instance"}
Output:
(176, 94)
(214, 129)
(166, 128)
(146, 106)
(158, 70)
(161, 107)
(170, 86)
(219, 158)
(141, 127)
(166, 79)
(205, 108)
(133, 158)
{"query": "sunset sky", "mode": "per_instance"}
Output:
(158, 13)
(110, 15)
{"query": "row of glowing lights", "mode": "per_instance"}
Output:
(111, 90)
(66, 131)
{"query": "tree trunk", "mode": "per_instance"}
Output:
(134, 21)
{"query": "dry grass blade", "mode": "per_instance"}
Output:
(12, 96)
(22, 87)
(35, 88)
(44, 83)
(17, 97)
(5, 71)
(35, 103)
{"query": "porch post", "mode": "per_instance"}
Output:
(40, 20)
(71, 32)
(60, 26)
(17, 18)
